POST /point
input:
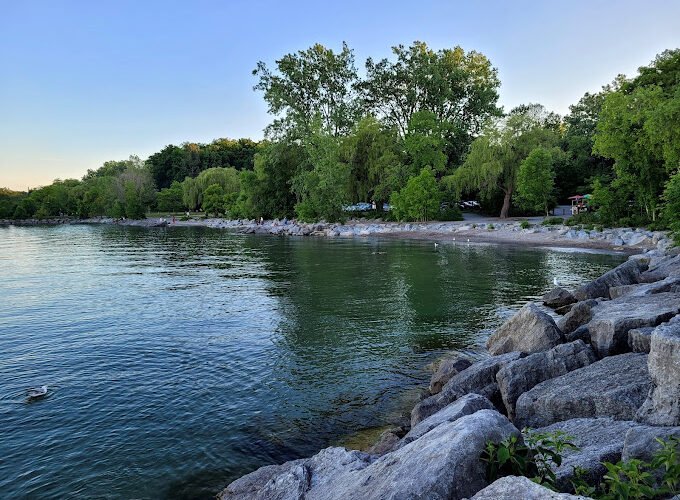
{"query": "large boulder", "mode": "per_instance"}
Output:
(662, 268)
(613, 387)
(613, 319)
(558, 297)
(446, 370)
(520, 488)
(480, 378)
(641, 441)
(467, 405)
(580, 314)
(442, 464)
(640, 339)
(627, 273)
(598, 440)
(662, 406)
(517, 377)
(529, 330)
(669, 284)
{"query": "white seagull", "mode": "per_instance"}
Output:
(36, 392)
(555, 282)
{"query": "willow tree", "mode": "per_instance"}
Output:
(495, 157)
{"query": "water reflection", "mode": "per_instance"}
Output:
(183, 358)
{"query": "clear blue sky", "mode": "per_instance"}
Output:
(82, 82)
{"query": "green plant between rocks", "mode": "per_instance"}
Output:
(536, 455)
(525, 224)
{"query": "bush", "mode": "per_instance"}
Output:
(524, 224)
(419, 199)
(537, 455)
(451, 212)
(552, 221)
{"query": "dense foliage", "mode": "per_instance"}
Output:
(421, 130)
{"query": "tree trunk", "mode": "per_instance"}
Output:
(506, 204)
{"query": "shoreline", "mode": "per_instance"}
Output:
(477, 230)
(604, 370)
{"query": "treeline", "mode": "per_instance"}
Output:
(419, 130)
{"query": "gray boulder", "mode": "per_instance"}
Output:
(662, 268)
(442, 464)
(520, 488)
(668, 284)
(517, 377)
(598, 440)
(580, 314)
(641, 441)
(627, 273)
(640, 339)
(529, 330)
(613, 387)
(662, 406)
(613, 319)
(558, 297)
(446, 370)
(466, 405)
(480, 378)
(388, 441)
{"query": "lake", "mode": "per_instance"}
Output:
(179, 359)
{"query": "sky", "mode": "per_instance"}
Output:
(83, 82)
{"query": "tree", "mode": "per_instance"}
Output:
(170, 199)
(322, 188)
(671, 210)
(460, 88)
(213, 200)
(313, 85)
(135, 192)
(419, 200)
(495, 157)
(373, 154)
(536, 180)
(424, 142)
(639, 128)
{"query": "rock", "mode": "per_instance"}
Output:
(669, 284)
(641, 443)
(480, 378)
(613, 387)
(447, 369)
(529, 330)
(564, 309)
(612, 320)
(662, 406)
(640, 339)
(388, 441)
(598, 439)
(466, 405)
(581, 333)
(517, 377)
(520, 488)
(558, 297)
(442, 464)
(580, 314)
(627, 273)
(661, 268)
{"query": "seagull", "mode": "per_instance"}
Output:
(454, 239)
(436, 244)
(555, 282)
(36, 392)
(468, 240)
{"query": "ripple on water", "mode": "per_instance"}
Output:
(180, 359)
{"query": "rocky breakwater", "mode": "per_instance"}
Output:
(515, 231)
(614, 387)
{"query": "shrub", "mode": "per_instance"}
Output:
(524, 224)
(419, 199)
(552, 221)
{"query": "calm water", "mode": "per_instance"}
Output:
(179, 359)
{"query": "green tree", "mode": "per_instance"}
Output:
(460, 88)
(494, 159)
(135, 192)
(536, 180)
(311, 86)
(671, 210)
(170, 199)
(322, 188)
(424, 142)
(213, 200)
(419, 200)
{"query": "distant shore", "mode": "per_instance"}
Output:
(477, 230)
